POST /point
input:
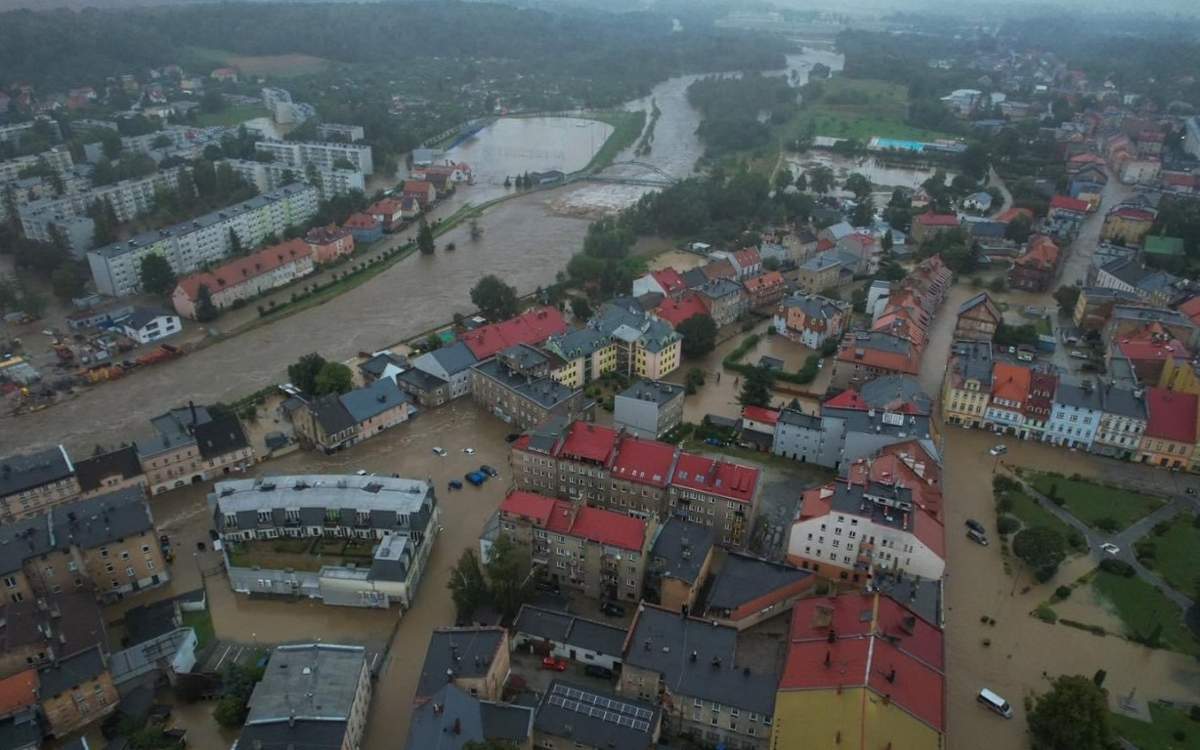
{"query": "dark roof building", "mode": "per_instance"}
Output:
(24, 472)
(747, 590)
(220, 435)
(452, 718)
(464, 653)
(593, 719)
(119, 465)
(569, 630)
(67, 674)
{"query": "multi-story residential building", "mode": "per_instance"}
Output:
(516, 386)
(365, 227)
(1010, 389)
(978, 319)
(1122, 424)
(31, 483)
(329, 243)
(1129, 274)
(646, 347)
(680, 559)
(690, 667)
(76, 692)
(1039, 406)
(400, 517)
(190, 445)
(882, 516)
(335, 421)
(587, 354)
(820, 272)
(1127, 225)
(50, 627)
(928, 225)
(146, 325)
(1076, 415)
(272, 175)
(806, 438)
(748, 590)
(428, 390)
(1169, 439)
(242, 279)
(967, 386)
(58, 157)
(862, 671)
(643, 478)
(107, 472)
(310, 695)
(811, 320)
(451, 364)
(322, 155)
(129, 199)
(866, 355)
(107, 542)
(649, 409)
(1126, 320)
(726, 300)
(568, 717)
(765, 290)
(1037, 269)
(676, 310)
(206, 239)
(598, 552)
(1095, 305)
(338, 131)
(473, 659)
(1153, 353)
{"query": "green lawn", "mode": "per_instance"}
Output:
(1142, 609)
(1031, 514)
(202, 623)
(1160, 733)
(1091, 502)
(231, 115)
(1177, 554)
(860, 109)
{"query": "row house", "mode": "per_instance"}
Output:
(1037, 269)
(1169, 438)
(811, 319)
(335, 421)
(243, 279)
(599, 553)
(32, 483)
(1040, 404)
(51, 627)
(515, 386)
(978, 319)
(189, 445)
(765, 290)
(76, 692)
(1122, 423)
(1076, 414)
(967, 385)
(643, 478)
(1010, 389)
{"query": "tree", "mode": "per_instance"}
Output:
(699, 334)
(303, 372)
(859, 185)
(887, 242)
(32, 303)
(1018, 230)
(820, 179)
(1073, 715)
(495, 299)
(425, 241)
(237, 683)
(67, 281)
(864, 213)
(1042, 548)
(756, 387)
(1067, 297)
(235, 243)
(783, 178)
(580, 308)
(507, 577)
(205, 309)
(156, 275)
(333, 377)
(467, 586)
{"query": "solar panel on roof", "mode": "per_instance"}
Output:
(625, 721)
(642, 713)
(556, 700)
(641, 726)
(571, 706)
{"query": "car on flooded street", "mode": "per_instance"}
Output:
(998, 450)
(454, 484)
(977, 537)
(557, 665)
(975, 526)
(440, 451)
(489, 471)
(477, 478)
(612, 609)
(1110, 548)
(469, 451)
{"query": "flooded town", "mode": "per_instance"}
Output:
(819, 379)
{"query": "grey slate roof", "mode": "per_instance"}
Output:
(143, 315)
(466, 652)
(580, 343)
(308, 682)
(173, 429)
(122, 462)
(743, 578)
(680, 548)
(655, 391)
(70, 672)
(798, 418)
(1075, 394)
(282, 735)
(972, 360)
(718, 288)
(331, 414)
(376, 365)
(420, 379)
(221, 435)
(461, 718)
(663, 642)
(1123, 402)
(816, 306)
(891, 389)
(921, 595)
(372, 400)
(563, 627)
(454, 358)
(567, 711)
(29, 470)
(546, 392)
(694, 278)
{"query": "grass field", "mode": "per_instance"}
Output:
(276, 66)
(1177, 555)
(1142, 608)
(231, 115)
(1091, 502)
(202, 623)
(1162, 733)
(1031, 514)
(860, 109)
(627, 126)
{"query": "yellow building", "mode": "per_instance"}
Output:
(587, 354)
(967, 386)
(655, 359)
(862, 671)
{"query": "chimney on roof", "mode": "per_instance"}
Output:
(828, 658)
(693, 656)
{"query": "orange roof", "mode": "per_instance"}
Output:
(768, 280)
(18, 692)
(1042, 253)
(675, 312)
(386, 206)
(1191, 308)
(417, 186)
(1010, 382)
(361, 221)
(243, 269)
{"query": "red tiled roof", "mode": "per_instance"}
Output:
(848, 399)
(1042, 253)
(931, 219)
(243, 269)
(645, 461)
(1067, 203)
(902, 362)
(417, 186)
(670, 280)
(589, 442)
(327, 234)
(1010, 382)
(361, 221)
(824, 244)
(768, 280)
(1153, 342)
(715, 477)
(1133, 213)
(535, 507)
(759, 414)
(607, 527)
(530, 327)
(747, 258)
(18, 692)
(676, 312)
(385, 206)
(1191, 308)
(1172, 416)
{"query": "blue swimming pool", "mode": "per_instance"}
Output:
(914, 146)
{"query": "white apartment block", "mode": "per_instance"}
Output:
(58, 157)
(349, 133)
(267, 176)
(191, 244)
(299, 154)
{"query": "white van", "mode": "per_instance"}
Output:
(995, 702)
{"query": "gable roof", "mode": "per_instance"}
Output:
(465, 652)
(530, 327)
(932, 219)
(240, 270)
(18, 692)
(676, 311)
(372, 400)
(25, 471)
(1172, 416)
(220, 435)
(1067, 203)
(452, 718)
(743, 578)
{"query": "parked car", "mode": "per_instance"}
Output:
(361, 472)
(558, 665)
(977, 537)
(612, 609)
(440, 451)
(595, 670)
(995, 703)
(1189, 490)
(469, 451)
(1110, 548)
(476, 478)
(999, 450)
(454, 484)
(489, 471)
(975, 526)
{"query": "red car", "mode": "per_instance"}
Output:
(558, 665)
